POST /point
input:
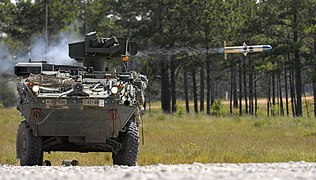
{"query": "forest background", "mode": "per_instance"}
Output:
(175, 38)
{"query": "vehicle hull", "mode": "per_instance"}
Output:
(70, 124)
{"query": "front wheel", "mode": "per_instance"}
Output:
(28, 147)
(130, 143)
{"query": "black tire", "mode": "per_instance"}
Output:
(28, 147)
(130, 143)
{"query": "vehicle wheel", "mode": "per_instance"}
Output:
(130, 143)
(28, 147)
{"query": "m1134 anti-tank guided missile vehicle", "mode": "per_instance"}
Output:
(84, 108)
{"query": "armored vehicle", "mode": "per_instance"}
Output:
(84, 107)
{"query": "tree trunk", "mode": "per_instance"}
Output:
(314, 77)
(212, 91)
(297, 62)
(245, 86)
(314, 90)
(240, 90)
(255, 93)
(208, 87)
(195, 99)
(231, 91)
(280, 95)
(235, 88)
(306, 104)
(273, 94)
(269, 95)
(149, 102)
(162, 85)
(292, 93)
(250, 88)
(168, 97)
(186, 91)
(286, 92)
(277, 96)
(173, 85)
(202, 79)
(208, 66)
(165, 92)
(298, 87)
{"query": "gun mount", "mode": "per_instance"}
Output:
(93, 50)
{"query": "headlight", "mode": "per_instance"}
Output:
(114, 90)
(35, 88)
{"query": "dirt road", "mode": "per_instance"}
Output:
(288, 171)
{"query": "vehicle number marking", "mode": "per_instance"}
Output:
(101, 103)
(59, 104)
(94, 102)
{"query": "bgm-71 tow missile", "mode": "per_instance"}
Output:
(244, 49)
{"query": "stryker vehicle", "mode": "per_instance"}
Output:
(81, 108)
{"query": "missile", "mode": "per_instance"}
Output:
(244, 49)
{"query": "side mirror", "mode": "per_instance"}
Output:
(132, 48)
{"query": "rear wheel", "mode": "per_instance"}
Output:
(28, 147)
(130, 143)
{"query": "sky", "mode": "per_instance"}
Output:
(14, 1)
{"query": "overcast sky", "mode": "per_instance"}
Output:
(13, 1)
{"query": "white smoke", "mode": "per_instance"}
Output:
(55, 52)
(190, 51)
(6, 59)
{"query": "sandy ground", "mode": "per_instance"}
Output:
(259, 101)
(288, 171)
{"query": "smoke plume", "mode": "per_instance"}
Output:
(180, 51)
(6, 59)
(55, 52)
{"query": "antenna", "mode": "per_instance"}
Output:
(46, 31)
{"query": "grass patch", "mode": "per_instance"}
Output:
(181, 138)
(200, 138)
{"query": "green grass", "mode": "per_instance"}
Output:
(187, 139)
(181, 138)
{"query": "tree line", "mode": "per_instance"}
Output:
(284, 77)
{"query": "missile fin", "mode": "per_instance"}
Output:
(244, 44)
(225, 54)
(245, 53)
